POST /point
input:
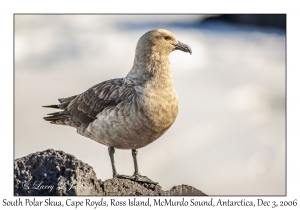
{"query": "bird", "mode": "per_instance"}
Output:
(129, 112)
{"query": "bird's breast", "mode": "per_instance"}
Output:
(161, 105)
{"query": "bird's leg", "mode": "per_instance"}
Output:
(136, 175)
(111, 151)
(136, 168)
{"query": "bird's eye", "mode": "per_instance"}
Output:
(167, 38)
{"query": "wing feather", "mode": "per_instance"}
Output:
(86, 106)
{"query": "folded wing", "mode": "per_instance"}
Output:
(84, 108)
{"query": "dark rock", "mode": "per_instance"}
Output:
(183, 190)
(116, 186)
(52, 173)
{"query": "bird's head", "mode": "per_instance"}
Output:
(162, 42)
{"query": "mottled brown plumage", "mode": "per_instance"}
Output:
(85, 107)
(129, 112)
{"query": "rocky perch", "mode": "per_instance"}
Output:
(54, 173)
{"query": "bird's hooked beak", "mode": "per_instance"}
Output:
(182, 47)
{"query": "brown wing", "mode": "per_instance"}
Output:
(85, 107)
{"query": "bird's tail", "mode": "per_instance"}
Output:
(55, 106)
(60, 117)
(64, 102)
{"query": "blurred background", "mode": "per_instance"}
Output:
(229, 136)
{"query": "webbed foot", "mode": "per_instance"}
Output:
(137, 178)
